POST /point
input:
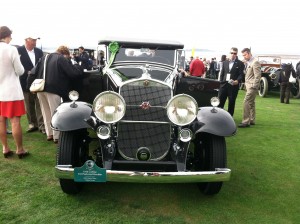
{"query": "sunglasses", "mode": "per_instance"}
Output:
(233, 53)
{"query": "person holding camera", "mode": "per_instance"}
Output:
(231, 75)
(60, 73)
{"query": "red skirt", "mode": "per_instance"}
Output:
(11, 109)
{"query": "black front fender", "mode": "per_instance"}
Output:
(71, 116)
(215, 121)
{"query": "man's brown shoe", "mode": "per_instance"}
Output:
(32, 129)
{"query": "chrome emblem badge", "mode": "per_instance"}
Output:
(145, 105)
(143, 154)
(146, 83)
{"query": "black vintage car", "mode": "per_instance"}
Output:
(142, 121)
(270, 70)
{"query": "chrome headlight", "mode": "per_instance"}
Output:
(273, 75)
(109, 107)
(182, 109)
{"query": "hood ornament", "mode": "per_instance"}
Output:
(145, 70)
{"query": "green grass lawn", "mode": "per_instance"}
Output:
(264, 187)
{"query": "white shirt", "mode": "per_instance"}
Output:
(231, 64)
(248, 63)
(31, 56)
(10, 70)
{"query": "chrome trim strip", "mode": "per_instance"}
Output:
(219, 175)
(148, 122)
(135, 106)
(149, 79)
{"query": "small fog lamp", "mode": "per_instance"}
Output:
(103, 132)
(185, 135)
(215, 101)
(73, 95)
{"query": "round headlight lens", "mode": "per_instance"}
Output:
(182, 109)
(215, 101)
(109, 107)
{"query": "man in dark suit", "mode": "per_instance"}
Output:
(30, 55)
(83, 58)
(230, 76)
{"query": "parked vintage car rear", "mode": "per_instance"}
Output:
(144, 122)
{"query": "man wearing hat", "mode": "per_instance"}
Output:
(30, 55)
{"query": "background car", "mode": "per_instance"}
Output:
(270, 70)
(143, 121)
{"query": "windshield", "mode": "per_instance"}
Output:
(146, 54)
(126, 73)
(269, 60)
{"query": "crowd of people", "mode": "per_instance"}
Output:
(232, 72)
(19, 66)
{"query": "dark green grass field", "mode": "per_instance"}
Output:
(264, 187)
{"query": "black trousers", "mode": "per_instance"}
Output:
(285, 89)
(230, 92)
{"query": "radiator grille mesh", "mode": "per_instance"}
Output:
(132, 136)
(145, 101)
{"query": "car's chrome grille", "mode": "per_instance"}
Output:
(151, 114)
(146, 102)
(132, 136)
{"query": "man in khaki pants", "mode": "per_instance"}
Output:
(252, 78)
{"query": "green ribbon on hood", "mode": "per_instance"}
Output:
(113, 47)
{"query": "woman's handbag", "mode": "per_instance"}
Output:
(33, 74)
(39, 84)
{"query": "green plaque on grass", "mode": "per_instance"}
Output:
(89, 172)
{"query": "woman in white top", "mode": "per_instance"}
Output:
(11, 96)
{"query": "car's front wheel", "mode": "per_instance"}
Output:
(263, 87)
(72, 151)
(210, 153)
(295, 89)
